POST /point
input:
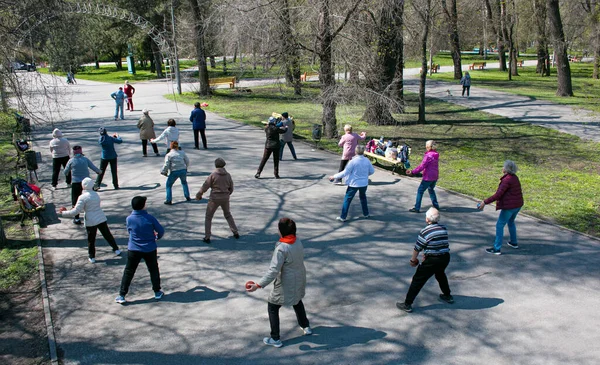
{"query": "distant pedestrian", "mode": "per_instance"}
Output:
(509, 201)
(356, 174)
(108, 156)
(198, 119)
(61, 153)
(429, 167)
(221, 185)
(288, 136)
(272, 130)
(146, 127)
(348, 142)
(129, 91)
(465, 81)
(93, 218)
(175, 167)
(119, 97)
(288, 271)
(71, 78)
(144, 230)
(433, 242)
(170, 134)
(78, 166)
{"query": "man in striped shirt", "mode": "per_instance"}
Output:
(433, 242)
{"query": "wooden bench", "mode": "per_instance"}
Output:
(520, 63)
(396, 164)
(479, 65)
(433, 68)
(306, 75)
(222, 81)
(575, 59)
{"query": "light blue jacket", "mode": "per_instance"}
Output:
(79, 166)
(119, 96)
(357, 172)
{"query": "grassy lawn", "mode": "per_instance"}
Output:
(530, 84)
(560, 173)
(108, 74)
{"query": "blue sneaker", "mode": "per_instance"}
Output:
(271, 342)
(120, 299)
(158, 295)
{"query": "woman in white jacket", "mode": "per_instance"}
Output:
(170, 134)
(94, 218)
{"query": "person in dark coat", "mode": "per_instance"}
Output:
(272, 130)
(108, 156)
(509, 200)
(198, 119)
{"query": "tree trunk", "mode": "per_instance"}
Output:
(213, 62)
(539, 8)
(200, 48)
(3, 96)
(596, 61)
(451, 15)
(225, 64)
(563, 69)
(157, 60)
(326, 76)
(398, 86)
(290, 49)
(423, 78)
(235, 51)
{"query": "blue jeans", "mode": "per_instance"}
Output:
(173, 176)
(119, 106)
(426, 185)
(507, 216)
(290, 145)
(350, 192)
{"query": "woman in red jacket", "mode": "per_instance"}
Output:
(509, 200)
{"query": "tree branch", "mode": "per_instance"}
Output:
(352, 11)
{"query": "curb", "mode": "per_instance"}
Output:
(45, 298)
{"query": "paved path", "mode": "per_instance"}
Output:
(535, 305)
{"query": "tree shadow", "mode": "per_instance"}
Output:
(329, 338)
(459, 209)
(383, 183)
(465, 302)
(200, 293)
(144, 187)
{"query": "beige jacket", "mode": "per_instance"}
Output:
(287, 269)
(146, 127)
(220, 183)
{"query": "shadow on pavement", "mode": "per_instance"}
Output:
(465, 302)
(328, 338)
(383, 183)
(197, 294)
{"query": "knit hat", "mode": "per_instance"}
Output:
(77, 150)
(138, 202)
(219, 162)
(102, 130)
(284, 114)
(272, 120)
(56, 133)
(146, 111)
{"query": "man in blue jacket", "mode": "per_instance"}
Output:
(108, 156)
(198, 119)
(144, 230)
(119, 97)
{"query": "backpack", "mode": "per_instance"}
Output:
(404, 153)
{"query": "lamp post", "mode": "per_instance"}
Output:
(176, 61)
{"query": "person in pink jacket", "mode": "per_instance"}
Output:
(429, 167)
(348, 142)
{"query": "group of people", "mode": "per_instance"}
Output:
(124, 94)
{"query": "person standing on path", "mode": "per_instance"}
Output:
(119, 97)
(146, 127)
(198, 119)
(93, 218)
(465, 81)
(288, 271)
(356, 174)
(108, 156)
(61, 154)
(170, 134)
(430, 169)
(175, 167)
(288, 136)
(221, 185)
(348, 142)
(144, 230)
(78, 166)
(433, 242)
(272, 130)
(509, 201)
(129, 91)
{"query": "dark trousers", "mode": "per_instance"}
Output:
(265, 158)
(76, 190)
(432, 265)
(133, 260)
(145, 147)
(468, 89)
(343, 164)
(56, 164)
(91, 232)
(113, 171)
(203, 135)
(291, 147)
(274, 318)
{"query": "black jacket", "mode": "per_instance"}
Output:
(273, 136)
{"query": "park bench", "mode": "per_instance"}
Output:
(397, 165)
(575, 59)
(433, 68)
(520, 63)
(479, 65)
(222, 81)
(306, 75)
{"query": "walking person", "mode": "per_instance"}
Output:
(129, 91)
(170, 134)
(119, 97)
(144, 230)
(348, 142)
(61, 153)
(430, 169)
(108, 156)
(288, 136)
(146, 127)
(433, 242)
(465, 81)
(356, 174)
(509, 201)
(175, 167)
(93, 218)
(288, 271)
(198, 119)
(78, 166)
(221, 185)
(272, 130)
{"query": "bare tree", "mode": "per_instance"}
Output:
(543, 56)
(198, 10)
(592, 7)
(451, 15)
(424, 12)
(563, 69)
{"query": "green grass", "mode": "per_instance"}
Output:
(586, 90)
(560, 173)
(109, 74)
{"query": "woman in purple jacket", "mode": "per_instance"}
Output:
(429, 167)
(509, 200)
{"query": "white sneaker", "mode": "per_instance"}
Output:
(92, 260)
(307, 331)
(117, 252)
(120, 299)
(272, 342)
(341, 219)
